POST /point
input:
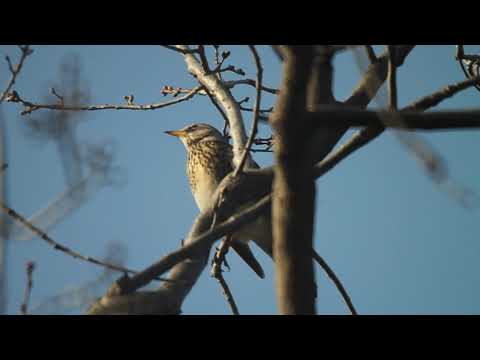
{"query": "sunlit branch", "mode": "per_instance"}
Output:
(31, 107)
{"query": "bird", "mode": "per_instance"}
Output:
(209, 160)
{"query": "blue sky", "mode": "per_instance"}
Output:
(399, 243)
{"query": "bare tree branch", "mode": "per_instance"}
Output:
(253, 131)
(371, 54)
(30, 106)
(214, 102)
(392, 79)
(320, 92)
(224, 98)
(359, 139)
(82, 295)
(203, 59)
(186, 256)
(293, 188)
(218, 260)
(320, 85)
(57, 246)
(194, 244)
(364, 136)
(330, 116)
(331, 274)
(15, 70)
(437, 97)
(30, 267)
(232, 83)
(170, 90)
(181, 51)
(375, 76)
(168, 299)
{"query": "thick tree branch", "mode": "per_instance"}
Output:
(375, 76)
(189, 261)
(329, 116)
(365, 91)
(224, 98)
(200, 238)
(366, 135)
(356, 142)
(214, 102)
(187, 266)
(320, 92)
(293, 188)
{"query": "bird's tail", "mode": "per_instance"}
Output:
(243, 250)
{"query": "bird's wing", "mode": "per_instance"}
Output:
(243, 250)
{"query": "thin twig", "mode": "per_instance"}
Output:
(216, 272)
(57, 246)
(374, 77)
(371, 54)
(228, 294)
(30, 266)
(181, 51)
(261, 150)
(392, 79)
(244, 100)
(359, 139)
(253, 131)
(331, 274)
(52, 90)
(225, 99)
(434, 99)
(170, 90)
(30, 107)
(26, 51)
(233, 83)
(231, 68)
(218, 62)
(460, 53)
(268, 142)
(203, 59)
(220, 110)
(474, 59)
(269, 110)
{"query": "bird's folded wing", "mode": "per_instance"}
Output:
(243, 250)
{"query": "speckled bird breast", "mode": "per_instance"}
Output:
(207, 164)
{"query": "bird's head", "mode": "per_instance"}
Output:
(192, 134)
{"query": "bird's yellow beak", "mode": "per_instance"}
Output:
(177, 133)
